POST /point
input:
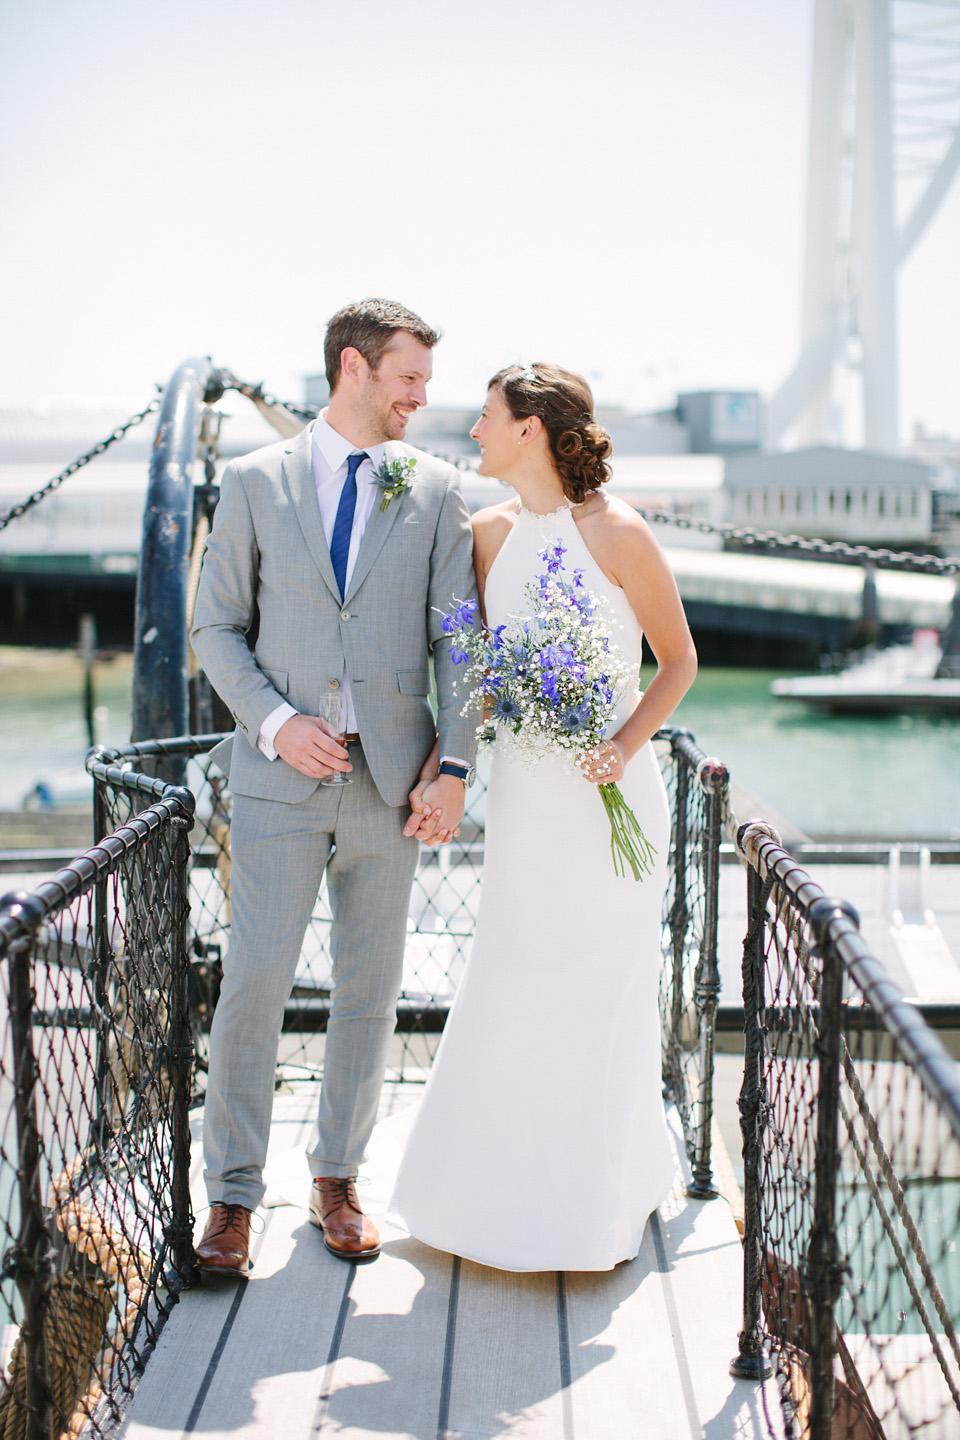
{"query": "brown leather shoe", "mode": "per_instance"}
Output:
(225, 1247)
(334, 1209)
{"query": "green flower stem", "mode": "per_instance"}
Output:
(628, 844)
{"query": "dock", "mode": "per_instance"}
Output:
(424, 1346)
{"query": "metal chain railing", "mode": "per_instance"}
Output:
(78, 464)
(838, 551)
(850, 1114)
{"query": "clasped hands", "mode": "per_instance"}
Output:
(436, 809)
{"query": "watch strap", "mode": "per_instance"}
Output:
(448, 767)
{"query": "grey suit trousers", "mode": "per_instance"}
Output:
(279, 853)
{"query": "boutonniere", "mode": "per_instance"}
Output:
(394, 477)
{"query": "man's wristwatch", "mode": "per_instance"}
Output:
(466, 773)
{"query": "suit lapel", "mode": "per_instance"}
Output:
(378, 528)
(298, 471)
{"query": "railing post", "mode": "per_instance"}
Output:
(180, 1043)
(101, 972)
(679, 913)
(160, 691)
(713, 779)
(822, 1265)
(32, 1264)
(752, 1362)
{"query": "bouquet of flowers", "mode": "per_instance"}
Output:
(552, 680)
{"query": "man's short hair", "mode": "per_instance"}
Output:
(369, 326)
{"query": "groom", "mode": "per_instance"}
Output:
(347, 578)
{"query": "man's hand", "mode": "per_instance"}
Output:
(309, 744)
(437, 809)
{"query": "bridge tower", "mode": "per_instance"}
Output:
(884, 147)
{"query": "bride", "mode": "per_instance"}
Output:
(541, 1142)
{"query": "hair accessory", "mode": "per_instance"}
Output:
(526, 372)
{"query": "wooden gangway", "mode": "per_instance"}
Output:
(425, 1347)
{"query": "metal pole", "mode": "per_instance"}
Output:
(949, 666)
(160, 693)
(33, 1252)
(679, 913)
(714, 780)
(101, 975)
(752, 1362)
(87, 645)
(180, 1043)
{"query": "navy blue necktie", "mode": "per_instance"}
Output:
(343, 525)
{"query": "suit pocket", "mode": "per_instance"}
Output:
(414, 682)
(279, 679)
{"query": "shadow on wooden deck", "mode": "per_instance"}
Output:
(427, 1347)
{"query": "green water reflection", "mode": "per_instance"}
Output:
(894, 777)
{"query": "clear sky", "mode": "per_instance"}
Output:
(616, 185)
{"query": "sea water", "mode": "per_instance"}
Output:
(884, 777)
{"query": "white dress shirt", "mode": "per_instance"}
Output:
(329, 451)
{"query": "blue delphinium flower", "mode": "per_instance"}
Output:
(548, 686)
(554, 557)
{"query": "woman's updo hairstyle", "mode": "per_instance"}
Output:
(562, 400)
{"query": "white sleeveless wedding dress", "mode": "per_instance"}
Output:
(541, 1141)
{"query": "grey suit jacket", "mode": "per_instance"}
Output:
(267, 552)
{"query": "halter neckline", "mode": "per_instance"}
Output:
(565, 507)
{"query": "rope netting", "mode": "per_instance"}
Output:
(95, 1223)
(853, 1124)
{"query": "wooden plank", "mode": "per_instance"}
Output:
(703, 1257)
(388, 1376)
(417, 1345)
(506, 1375)
(176, 1371)
(624, 1372)
(267, 1376)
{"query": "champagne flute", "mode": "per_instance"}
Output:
(331, 710)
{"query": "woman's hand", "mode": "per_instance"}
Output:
(605, 764)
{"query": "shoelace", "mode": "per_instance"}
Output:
(228, 1218)
(341, 1192)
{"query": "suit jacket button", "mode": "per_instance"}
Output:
(344, 614)
(334, 684)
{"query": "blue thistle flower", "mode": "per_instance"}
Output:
(575, 719)
(507, 710)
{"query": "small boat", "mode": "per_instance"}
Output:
(899, 679)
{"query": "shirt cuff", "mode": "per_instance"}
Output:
(270, 726)
(453, 760)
